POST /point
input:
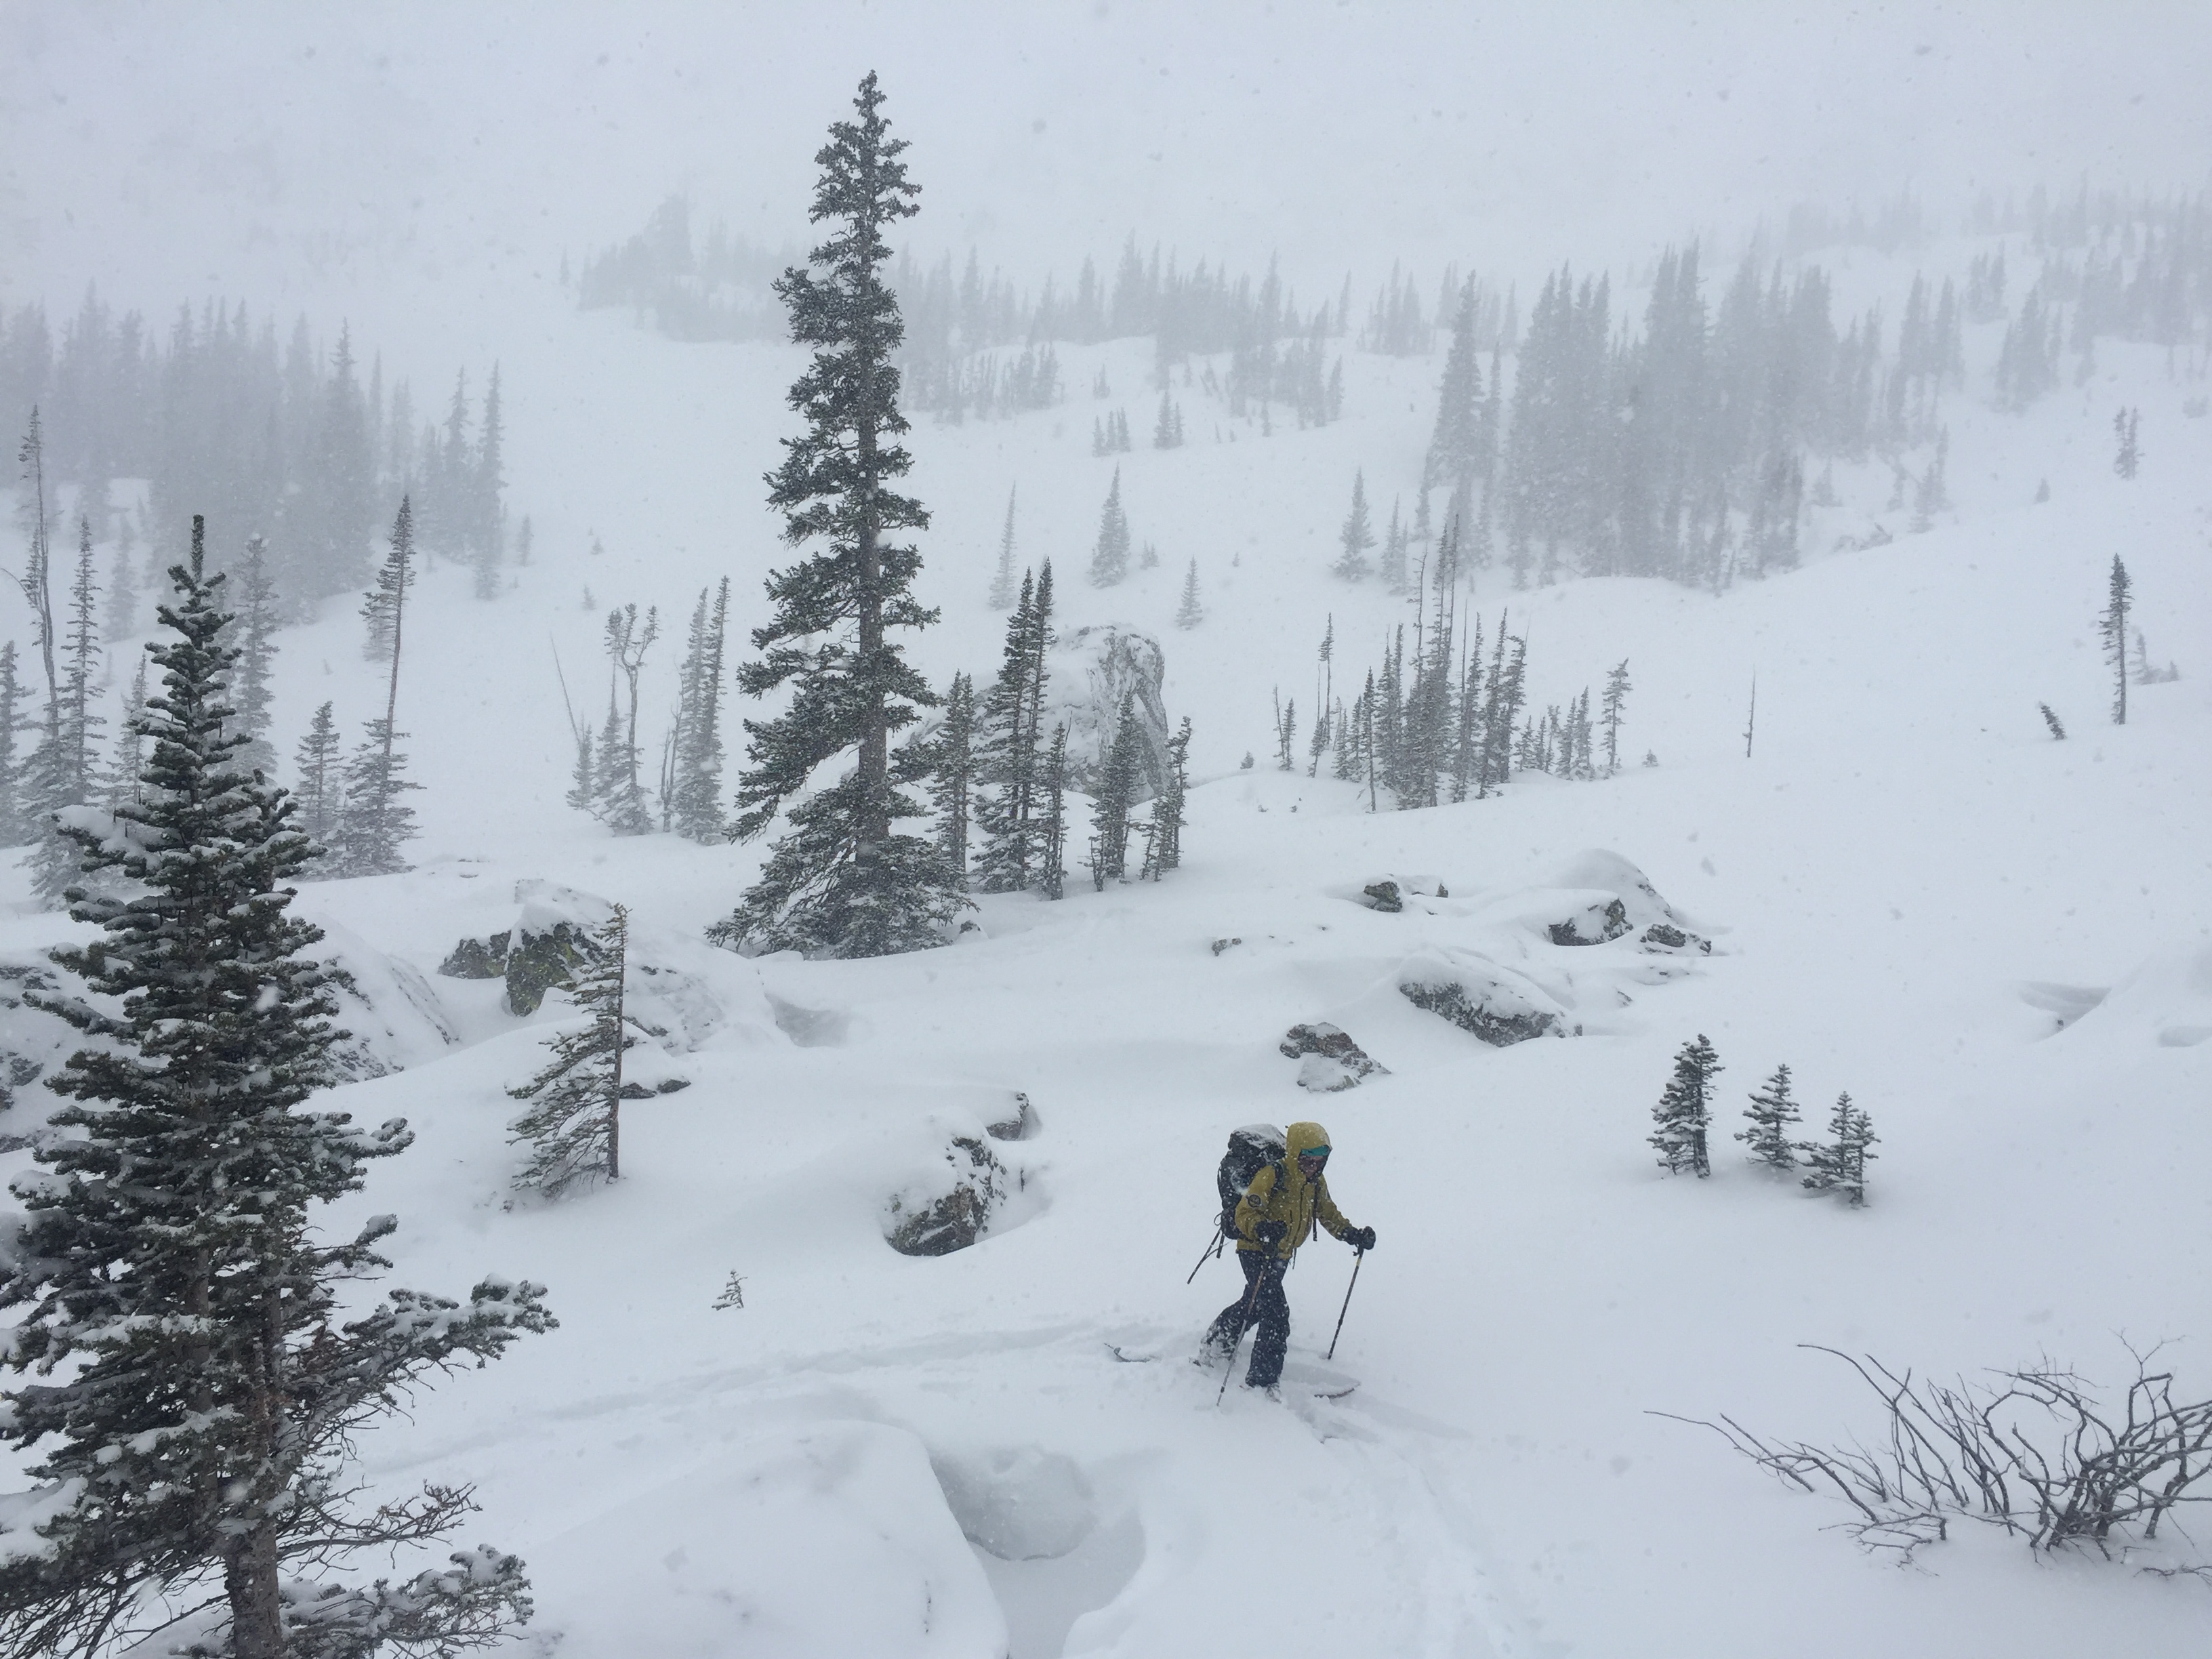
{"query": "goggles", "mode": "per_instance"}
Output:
(1318, 1154)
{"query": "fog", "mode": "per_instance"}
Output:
(277, 149)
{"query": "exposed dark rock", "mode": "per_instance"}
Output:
(1664, 936)
(538, 963)
(1020, 1127)
(1485, 1015)
(1595, 925)
(477, 958)
(667, 1085)
(1330, 1060)
(958, 1220)
(1385, 897)
(1221, 945)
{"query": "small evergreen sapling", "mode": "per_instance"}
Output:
(1840, 1165)
(1052, 861)
(1771, 1113)
(1355, 535)
(1109, 555)
(320, 794)
(1685, 1110)
(574, 1123)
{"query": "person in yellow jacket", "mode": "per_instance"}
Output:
(1286, 1203)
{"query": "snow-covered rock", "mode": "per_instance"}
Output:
(1086, 675)
(1329, 1059)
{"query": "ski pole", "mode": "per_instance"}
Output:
(1243, 1324)
(1213, 1248)
(1358, 1256)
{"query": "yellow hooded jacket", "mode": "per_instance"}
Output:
(1290, 1197)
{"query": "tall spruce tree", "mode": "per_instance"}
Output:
(321, 793)
(64, 766)
(1685, 1111)
(2113, 628)
(376, 823)
(1116, 797)
(574, 1124)
(1009, 733)
(1839, 1164)
(1613, 713)
(16, 823)
(1110, 554)
(201, 1384)
(1771, 1113)
(256, 629)
(1164, 843)
(1052, 821)
(1355, 535)
(696, 810)
(1002, 582)
(840, 881)
(1190, 613)
(486, 527)
(620, 784)
(952, 774)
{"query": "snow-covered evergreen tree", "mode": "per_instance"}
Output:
(620, 799)
(1355, 535)
(2112, 628)
(375, 823)
(1008, 740)
(1613, 714)
(1771, 1113)
(1190, 613)
(1002, 582)
(63, 768)
(321, 793)
(952, 774)
(1052, 821)
(1686, 1109)
(15, 825)
(1163, 842)
(574, 1123)
(840, 881)
(200, 1386)
(1116, 796)
(125, 774)
(487, 528)
(1109, 554)
(696, 808)
(382, 606)
(256, 629)
(1839, 1164)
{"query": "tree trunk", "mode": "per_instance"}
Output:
(250, 1581)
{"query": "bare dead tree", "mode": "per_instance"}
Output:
(2041, 1452)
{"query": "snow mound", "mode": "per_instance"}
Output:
(2167, 1001)
(1019, 1504)
(393, 1016)
(834, 1538)
(1484, 999)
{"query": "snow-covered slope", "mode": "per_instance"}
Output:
(2000, 946)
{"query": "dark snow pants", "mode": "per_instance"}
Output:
(1270, 1313)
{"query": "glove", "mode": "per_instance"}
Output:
(1270, 1234)
(1361, 1238)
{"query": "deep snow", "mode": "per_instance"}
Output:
(1895, 881)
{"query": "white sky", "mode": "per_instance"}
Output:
(254, 148)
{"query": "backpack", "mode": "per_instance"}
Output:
(1251, 1149)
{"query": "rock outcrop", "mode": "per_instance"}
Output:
(1085, 677)
(955, 1219)
(1329, 1059)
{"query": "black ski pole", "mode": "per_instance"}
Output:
(1243, 1324)
(1213, 1248)
(1358, 1257)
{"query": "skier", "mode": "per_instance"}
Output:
(1286, 1203)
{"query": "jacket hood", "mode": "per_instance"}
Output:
(1302, 1137)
